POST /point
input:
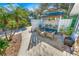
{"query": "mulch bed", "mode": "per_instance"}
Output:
(14, 47)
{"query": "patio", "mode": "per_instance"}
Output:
(51, 28)
(56, 42)
(53, 31)
(42, 49)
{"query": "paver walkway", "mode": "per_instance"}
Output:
(56, 43)
(26, 36)
(44, 49)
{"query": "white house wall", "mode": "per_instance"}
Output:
(35, 23)
(63, 22)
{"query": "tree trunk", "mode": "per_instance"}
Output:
(5, 33)
(11, 35)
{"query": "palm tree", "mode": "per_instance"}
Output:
(3, 20)
(42, 7)
(20, 19)
(12, 21)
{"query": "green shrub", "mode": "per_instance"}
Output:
(3, 45)
(74, 19)
(69, 31)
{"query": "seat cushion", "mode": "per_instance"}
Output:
(69, 41)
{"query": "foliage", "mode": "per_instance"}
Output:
(68, 31)
(3, 45)
(11, 24)
(51, 19)
(74, 19)
(14, 20)
(65, 17)
(23, 23)
(35, 15)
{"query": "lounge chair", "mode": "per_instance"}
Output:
(50, 35)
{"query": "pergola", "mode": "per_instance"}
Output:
(56, 14)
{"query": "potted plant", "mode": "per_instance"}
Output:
(68, 40)
(68, 31)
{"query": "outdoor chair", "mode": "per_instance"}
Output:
(70, 40)
(50, 35)
(43, 34)
(38, 31)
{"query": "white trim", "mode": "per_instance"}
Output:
(77, 22)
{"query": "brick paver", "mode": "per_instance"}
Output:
(44, 49)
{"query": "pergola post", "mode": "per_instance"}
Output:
(59, 24)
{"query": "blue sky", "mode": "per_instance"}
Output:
(30, 6)
(25, 5)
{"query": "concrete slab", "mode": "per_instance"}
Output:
(26, 36)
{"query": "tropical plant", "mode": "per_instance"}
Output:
(68, 31)
(3, 45)
(3, 20)
(12, 21)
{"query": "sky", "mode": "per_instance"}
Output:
(29, 6)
